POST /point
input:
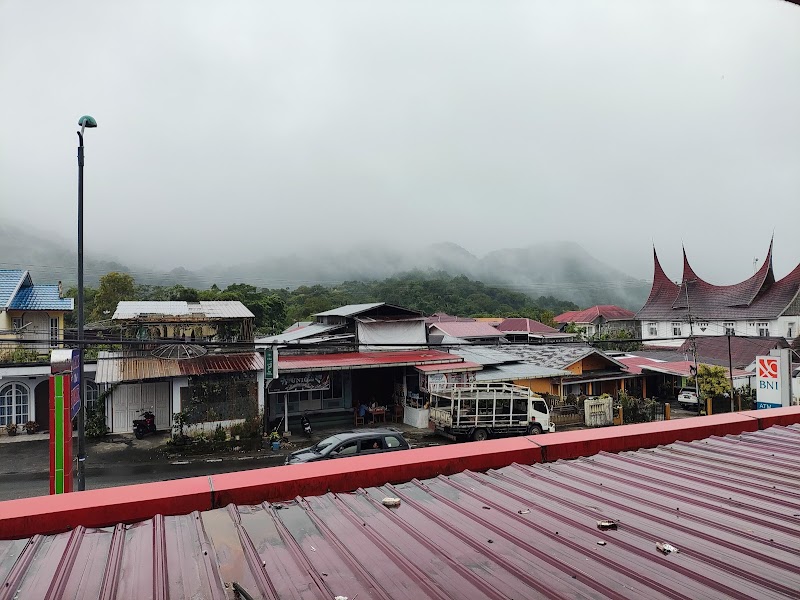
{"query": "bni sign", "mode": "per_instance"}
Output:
(768, 382)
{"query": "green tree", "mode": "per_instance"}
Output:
(114, 288)
(713, 381)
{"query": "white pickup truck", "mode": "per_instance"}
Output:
(478, 411)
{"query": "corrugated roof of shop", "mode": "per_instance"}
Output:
(40, 297)
(299, 333)
(10, 281)
(524, 325)
(211, 309)
(347, 360)
(221, 309)
(467, 329)
(516, 371)
(132, 309)
(729, 506)
(485, 355)
(349, 310)
(115, 367)
(455, 367)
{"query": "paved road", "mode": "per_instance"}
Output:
(25, 485)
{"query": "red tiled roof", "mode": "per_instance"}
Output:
(609, 312)
(725, 504)
(475, 329)
(758, 297)
(363, 360)
(520, 325)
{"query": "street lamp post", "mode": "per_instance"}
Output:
(83, 122)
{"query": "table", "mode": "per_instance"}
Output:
(378, 412)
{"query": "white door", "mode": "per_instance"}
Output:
(131, 399)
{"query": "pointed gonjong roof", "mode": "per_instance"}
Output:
(758, 297)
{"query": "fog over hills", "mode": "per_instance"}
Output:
(561, 269)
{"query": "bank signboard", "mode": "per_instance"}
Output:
(768, 382)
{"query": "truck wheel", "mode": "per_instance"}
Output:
(535, 429)
(480, 435)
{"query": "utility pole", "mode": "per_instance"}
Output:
(694, 343)
(730, 368)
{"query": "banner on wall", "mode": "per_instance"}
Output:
(437, 379)
(302, 382)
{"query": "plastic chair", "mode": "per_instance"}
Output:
(397, 413)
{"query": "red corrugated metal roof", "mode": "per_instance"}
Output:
(609, 312)
(449, 368)
(360, 360)
(461, 329)
(728, 506)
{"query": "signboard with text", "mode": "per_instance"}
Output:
(768, 382)
(301, 382)
(74, 385)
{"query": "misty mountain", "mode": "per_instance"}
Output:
(562, 269)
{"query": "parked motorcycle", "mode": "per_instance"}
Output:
(145, 425)
(306, 424)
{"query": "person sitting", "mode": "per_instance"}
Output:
(362, 412)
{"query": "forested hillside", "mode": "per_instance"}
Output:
(276, 309)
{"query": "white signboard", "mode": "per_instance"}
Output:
(768, 382)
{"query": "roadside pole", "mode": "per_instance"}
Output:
(730, 369)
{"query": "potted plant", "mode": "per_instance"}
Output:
(31, 427)
(11, 428)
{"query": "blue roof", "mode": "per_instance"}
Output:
(10, 280)
(40, 297)
(17, 292)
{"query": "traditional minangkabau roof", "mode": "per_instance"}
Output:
(18, 292)
(758, 297)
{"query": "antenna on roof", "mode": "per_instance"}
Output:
(755, 264)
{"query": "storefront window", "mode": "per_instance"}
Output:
(295, 389)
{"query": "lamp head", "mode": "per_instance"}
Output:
(87, 121)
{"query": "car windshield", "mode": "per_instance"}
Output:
(327, 442)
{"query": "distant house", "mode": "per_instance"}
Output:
(474, 332)
(31, 312)
(221, 385)
(761, 306)
(592, 372)
(599, 320)
(528, 331)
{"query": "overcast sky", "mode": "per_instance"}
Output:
(232, 130)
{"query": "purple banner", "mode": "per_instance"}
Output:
(74, 385)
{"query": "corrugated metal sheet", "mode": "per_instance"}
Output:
(449, 368)
(729, 506)
(517, 371)
(299, 333)
(485, 355)
(349, 310)
(462, 329)
(216, 309)
(116, 367)
(356, 360)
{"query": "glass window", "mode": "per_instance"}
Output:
(790, 330)
(54, 332)
(730, 328)
(763, 329)
(540, 406)
(346, 449)
(677, 329)
(391, 441)
(371, 444)
(16, 322)
(652, 328)
(92, 394)
(13, 404)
